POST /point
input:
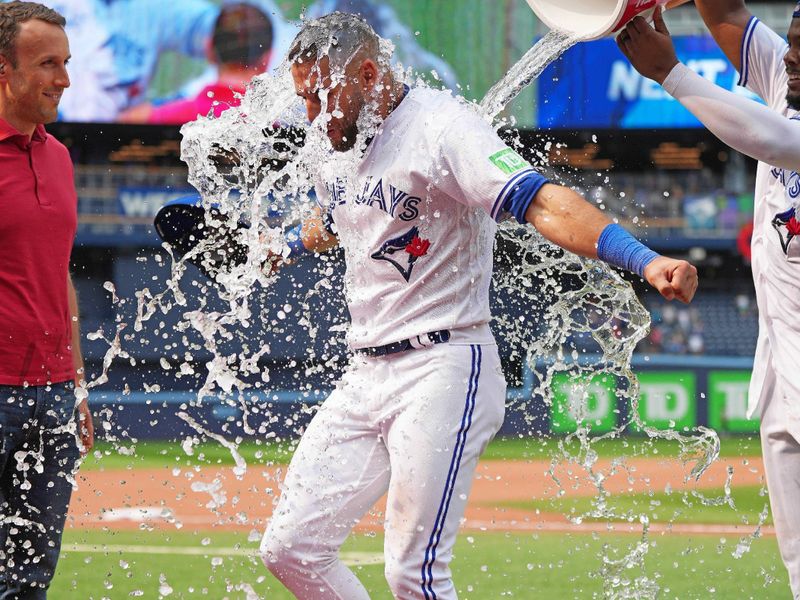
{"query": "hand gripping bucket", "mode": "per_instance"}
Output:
(592, 19)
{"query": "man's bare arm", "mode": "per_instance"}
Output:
(727, 21)
(566, 219)
(316, 236)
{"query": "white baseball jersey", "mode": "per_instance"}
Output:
(417, 221)
(776, 250)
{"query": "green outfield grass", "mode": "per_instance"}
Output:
(127, 455)
(662, 507)
(487, 566)
(155, 454)
(109, 564)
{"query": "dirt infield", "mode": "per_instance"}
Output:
(205, 498)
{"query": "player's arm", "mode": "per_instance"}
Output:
(727, 21)
(742, 124)
(675, 3)
(314, 234)
(566, 219)
(478, 169)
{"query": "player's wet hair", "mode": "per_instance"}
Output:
(242, 34)
(13, 14)
(341, 37)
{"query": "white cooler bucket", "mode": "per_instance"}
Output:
(591, 19)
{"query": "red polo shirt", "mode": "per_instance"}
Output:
(38, 220)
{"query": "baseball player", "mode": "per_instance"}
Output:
(414, 190)
(770, 68)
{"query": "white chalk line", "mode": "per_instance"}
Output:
(349, 558)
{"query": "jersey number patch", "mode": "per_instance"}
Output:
(403, 252)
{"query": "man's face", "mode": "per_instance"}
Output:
(792, 61)
(32, 90)
(342, 101)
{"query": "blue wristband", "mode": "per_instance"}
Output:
(294, 239)
(619, 248)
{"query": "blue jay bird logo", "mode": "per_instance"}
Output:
(786, 221)
(403, 251)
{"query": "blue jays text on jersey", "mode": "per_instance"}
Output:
(788, 179)
(385, 197)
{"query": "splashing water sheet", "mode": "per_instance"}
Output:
(260, 160)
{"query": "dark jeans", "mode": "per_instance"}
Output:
(38, 452)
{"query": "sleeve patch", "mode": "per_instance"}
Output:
(508, 161)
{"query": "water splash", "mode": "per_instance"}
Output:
(261, 157)
(525, 71)
(745, 543)
(241, 465)
(581, 298)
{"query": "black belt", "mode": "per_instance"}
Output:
(426, 340)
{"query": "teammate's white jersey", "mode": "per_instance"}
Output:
(776, 249)
(417, 221)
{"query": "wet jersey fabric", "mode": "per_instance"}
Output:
(775, 247)
(417, 220)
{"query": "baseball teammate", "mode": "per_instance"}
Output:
(770, 68)
(414, 189)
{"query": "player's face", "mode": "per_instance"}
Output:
(792, 61)
(31, 91)
(340, 102)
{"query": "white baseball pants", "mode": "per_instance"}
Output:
(413, 424)
(781, 451)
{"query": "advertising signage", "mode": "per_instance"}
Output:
(667, 400)
(727, 402)
(594, 86)
(590, 402)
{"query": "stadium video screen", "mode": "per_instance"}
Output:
(157, 61)
(594, 86)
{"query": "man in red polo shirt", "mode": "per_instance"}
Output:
(40, 359)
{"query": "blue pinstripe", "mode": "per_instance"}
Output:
(455, 463)
(747, 38)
